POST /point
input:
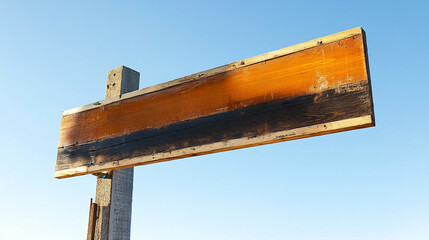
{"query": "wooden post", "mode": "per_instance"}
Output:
(114, 191)
(93, 209)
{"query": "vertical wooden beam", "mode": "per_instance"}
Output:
(120, 208)
(93, 210)
(114, 192)
(102, 199)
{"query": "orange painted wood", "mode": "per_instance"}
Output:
(309, 71)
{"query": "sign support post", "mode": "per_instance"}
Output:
(114, 191)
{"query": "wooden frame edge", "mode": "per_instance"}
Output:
(368, 74)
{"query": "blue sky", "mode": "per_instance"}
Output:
(364, 184)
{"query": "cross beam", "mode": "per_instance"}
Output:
(313, 88)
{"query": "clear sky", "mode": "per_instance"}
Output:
(364, 184)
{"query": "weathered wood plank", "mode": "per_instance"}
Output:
(309, 71)
(318, 90)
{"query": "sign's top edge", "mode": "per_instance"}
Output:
(224, 68)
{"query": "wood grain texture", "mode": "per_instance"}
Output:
(326, 83)
(121, 206)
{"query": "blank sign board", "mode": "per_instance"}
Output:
(313, 88)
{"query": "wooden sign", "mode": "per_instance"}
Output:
(314, 88)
